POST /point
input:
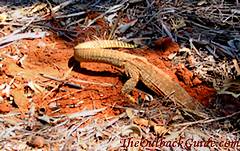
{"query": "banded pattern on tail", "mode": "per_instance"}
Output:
(104, 44)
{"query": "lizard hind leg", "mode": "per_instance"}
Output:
(131, 83)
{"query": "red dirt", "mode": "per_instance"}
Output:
(50, 56)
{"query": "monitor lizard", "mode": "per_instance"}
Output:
(136, 68)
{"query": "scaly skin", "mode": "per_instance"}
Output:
(138, 68)
(108, 56)
(158, 81)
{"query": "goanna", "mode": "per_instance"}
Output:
(136, 68)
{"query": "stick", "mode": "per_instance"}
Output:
(73, 85)
(236, 66)
(64, 4)
(207, 121)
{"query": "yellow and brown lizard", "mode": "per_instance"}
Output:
(136, 68)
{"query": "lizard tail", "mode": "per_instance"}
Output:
(105, 44)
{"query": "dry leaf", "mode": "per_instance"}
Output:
(130, 113)
(171, 56)
(161, 130)
(35, 87)
(124, 27)
(231, 87)
(3, 17)
(141, 121)
(20, 99)
(132, 130)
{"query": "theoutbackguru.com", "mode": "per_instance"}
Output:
(180, 142)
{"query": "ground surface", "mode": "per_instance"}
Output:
(40, 110)
(51, 55)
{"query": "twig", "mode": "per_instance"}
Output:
(193, 47)
(212, 52)
(64, 4)
(70, 15)
(206, 121)
(110, 10)
(11, 38)
(50, 5)
(77, 86)
(9, 115)
(224, 49)
(22, 28)
(160, 12)
(166, 30)
(205, 27)
(236, 66)
(85, 113)
(125, 108)
(75, 22)
(114, 27)
(95, 83)
(70, 94)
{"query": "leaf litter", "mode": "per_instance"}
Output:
(93, 115)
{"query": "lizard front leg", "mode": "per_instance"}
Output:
(72, 62)
(133, 74)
